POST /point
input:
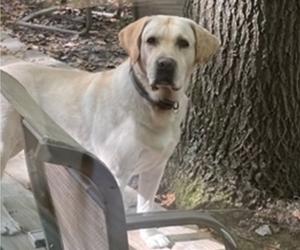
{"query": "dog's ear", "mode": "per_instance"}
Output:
(130, 38)
(206, 43)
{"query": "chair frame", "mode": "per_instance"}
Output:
(25, 21)
(46, 142)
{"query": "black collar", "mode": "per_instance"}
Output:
(163, 104)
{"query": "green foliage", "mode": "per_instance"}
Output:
(192, 195)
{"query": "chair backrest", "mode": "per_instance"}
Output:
(78, 199)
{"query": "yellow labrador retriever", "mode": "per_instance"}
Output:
(130, 116)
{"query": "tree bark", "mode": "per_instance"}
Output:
(241, 137)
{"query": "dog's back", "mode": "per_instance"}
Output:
(56, 90)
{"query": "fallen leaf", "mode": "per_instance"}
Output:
(264, 230)
(168, 200)
(296, 214)
(275, 247)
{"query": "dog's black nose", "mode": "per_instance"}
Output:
(165, 63)
(165, 71)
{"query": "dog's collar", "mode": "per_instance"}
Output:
(162, 104)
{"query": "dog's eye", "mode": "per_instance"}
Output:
(152, 40)
(182, 43)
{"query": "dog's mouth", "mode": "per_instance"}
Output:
(163, 103)
(157, 84)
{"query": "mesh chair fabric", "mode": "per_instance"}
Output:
(81, 220)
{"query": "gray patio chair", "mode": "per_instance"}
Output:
(78, 199)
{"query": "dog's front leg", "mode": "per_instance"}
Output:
(148, 185)
(122, 180)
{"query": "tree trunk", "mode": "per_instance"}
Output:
(241, 138)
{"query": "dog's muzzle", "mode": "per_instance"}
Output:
(164, 104)
(165, 72)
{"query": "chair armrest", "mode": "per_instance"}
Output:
(176, 218)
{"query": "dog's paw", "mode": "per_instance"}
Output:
(9, 226)
(154, 239)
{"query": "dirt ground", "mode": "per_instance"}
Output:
(99, 50)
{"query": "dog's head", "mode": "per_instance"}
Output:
(166, 49)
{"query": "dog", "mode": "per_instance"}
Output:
(129, 117)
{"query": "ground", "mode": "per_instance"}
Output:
(99, 51)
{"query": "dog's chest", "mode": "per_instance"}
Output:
(133, 147)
